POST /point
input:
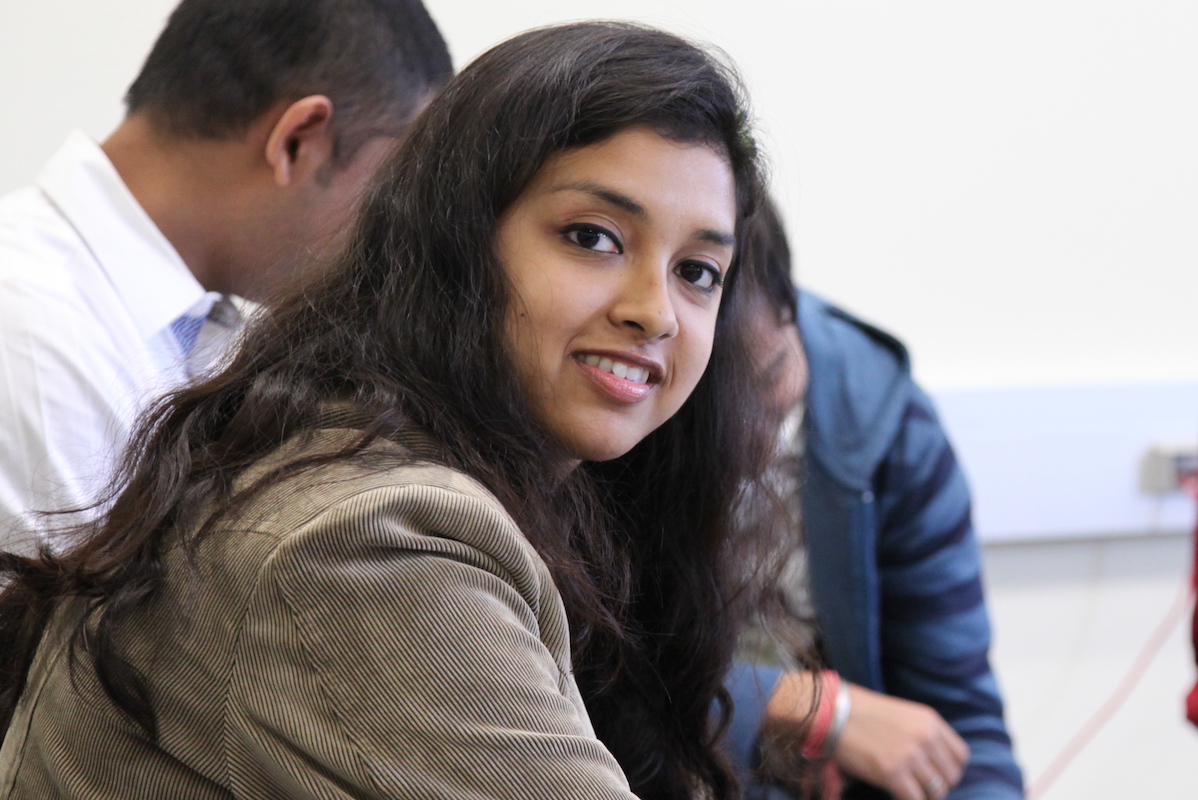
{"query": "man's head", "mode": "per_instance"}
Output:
(218, 66)
(254, 126)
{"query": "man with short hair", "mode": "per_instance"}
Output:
(251, 133)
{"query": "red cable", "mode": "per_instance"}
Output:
(1117, 698)
(1134, 675)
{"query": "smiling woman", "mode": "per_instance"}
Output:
(616, 254)
(457, 520)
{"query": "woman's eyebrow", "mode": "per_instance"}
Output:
(617, 199)
(716, 237)
(626, 203)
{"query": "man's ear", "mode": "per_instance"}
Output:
(301, 142)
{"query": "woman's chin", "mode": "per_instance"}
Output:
(607, 449)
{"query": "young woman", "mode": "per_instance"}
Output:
(456, 522)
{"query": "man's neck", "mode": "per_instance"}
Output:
(190, 189)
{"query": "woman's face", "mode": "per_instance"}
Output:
(616, 253)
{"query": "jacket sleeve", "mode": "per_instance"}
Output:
(750, 686)
(408, 643)
(934, 626)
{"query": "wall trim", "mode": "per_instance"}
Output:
(1053, 462)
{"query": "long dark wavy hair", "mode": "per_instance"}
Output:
(409, 327)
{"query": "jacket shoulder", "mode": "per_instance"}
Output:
(827, 325)
(389, 478)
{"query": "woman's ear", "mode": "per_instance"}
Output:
(301, 142)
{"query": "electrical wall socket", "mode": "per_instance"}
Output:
(1169, 467)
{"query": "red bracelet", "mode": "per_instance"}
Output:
(821, 723)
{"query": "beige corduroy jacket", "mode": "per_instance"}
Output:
(363, 631)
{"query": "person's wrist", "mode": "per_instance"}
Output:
(840, 716)
(824, 717)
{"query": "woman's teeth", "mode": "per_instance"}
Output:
(619, 369)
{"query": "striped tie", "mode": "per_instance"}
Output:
(187, 330)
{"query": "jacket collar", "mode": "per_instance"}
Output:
(859, 387)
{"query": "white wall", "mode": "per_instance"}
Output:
(1009, 185)
(65, 64)
(1063, 461)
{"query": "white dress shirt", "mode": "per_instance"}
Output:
(89, 292)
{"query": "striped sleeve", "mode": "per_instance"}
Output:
(407, 643)
(935, 629)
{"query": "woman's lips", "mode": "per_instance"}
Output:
(621, 379)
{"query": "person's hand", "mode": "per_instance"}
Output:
(903, 747)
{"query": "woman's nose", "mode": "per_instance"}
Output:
(644, 302)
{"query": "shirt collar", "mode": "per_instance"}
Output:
(144, 268)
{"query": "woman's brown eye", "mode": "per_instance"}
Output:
(699, 273)
(593, 237)
(589, 239)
